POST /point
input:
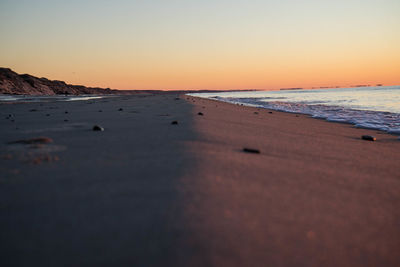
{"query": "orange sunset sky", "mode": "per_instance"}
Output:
(217, 44)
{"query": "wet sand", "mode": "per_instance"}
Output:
(316, 195)
(148, 193)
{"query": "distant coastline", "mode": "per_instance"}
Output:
(25, 84)
(12, 83)
(333, 87)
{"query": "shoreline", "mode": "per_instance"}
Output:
(315, 195)
(149, 192)
(308, 115)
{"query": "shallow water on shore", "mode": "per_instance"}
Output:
(366, 107)
(27, 98)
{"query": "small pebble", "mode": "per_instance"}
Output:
(270, 112)
(98, 128)
(100, 110)
(174, 123)
(251, 150)
(65, 120)
(66, 112)
(33, 110)
(121, 109)
(255, 112)
(47, 115)
(368, 138)
(200, 114)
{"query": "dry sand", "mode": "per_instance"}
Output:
(148, 193)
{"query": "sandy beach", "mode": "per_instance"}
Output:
(146, 192)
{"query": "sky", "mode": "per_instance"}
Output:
(208, 44)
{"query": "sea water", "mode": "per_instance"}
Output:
(28, 98)
(366, 107)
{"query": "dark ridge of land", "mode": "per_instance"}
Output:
(25, 84)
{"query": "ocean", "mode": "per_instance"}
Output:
(365, 107)
(28, 98)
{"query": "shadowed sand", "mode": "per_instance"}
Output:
(148, 193)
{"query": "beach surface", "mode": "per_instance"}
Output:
(146, 192)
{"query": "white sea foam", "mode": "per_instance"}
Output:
(367, 107)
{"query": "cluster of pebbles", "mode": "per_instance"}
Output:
(37, 150)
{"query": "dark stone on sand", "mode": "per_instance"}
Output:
(37, 140)
(200, 114)
(65, 120)
(270, 112)
(47, 115)
(66, 112)
(32, 110)
(368, 138)
(174, 123)
(251, 150)
(255, 112)
(100, 110)
(121, 109)
(98, 128)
